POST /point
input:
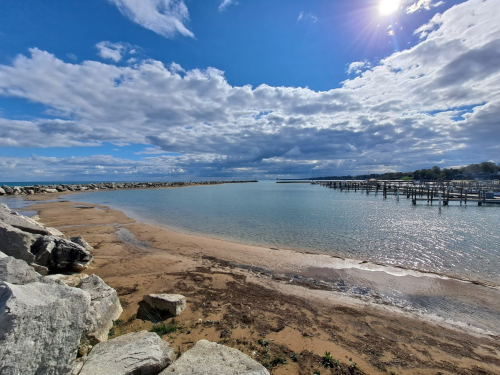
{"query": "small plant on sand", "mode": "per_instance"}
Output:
(111, 332)
(294, 357)
(164, 329)
(117, 322)
(133, 317)
(278, 360)
(328, 361)
(263, 342)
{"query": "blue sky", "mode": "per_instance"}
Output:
(175, 90)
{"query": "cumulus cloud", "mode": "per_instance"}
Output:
(307, 16)
(225, 3)
(423, 4)
(112, 51)
(435, 103)
(357, 67)
(164, 17)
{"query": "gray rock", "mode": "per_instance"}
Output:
(22, 222)
(16, 243)
(7, 189)
(210, 358)
(70, 280)
(141, 353)
(16, 271)
(55, 232)
(50, 190)
(40, 327)
(80, 241)
(2, 191)
(173, 303)
(2, 255)
(105, 307)
(40, 269)
(59, 254)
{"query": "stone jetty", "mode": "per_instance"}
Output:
(61, 188)
(55, 320)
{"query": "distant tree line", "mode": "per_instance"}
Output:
(486, 170)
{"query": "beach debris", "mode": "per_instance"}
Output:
(134, 353)
(40, 327)
(105, 307)
(211, 358)
(80, 241)
(173, 303)
(59, 254)
(16, 271)
(16, 243)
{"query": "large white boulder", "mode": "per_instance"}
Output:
(210, 358)
(173, 303)
(105, 307)
(16, 271)
(71, 280)
(40, 327)
(16, 243)
(21, 222)
(141, 353)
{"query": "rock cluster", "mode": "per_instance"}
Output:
(46, 249)
(47, 321)
(41, 189)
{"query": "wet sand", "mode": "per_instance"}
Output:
(240, 295)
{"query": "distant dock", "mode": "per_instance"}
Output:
(440, 193)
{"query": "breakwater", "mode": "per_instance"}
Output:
(60, 188)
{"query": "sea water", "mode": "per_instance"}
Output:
(461, 241)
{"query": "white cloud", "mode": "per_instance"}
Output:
(307, 16)
(358, 66)
(423, 4)
(164, 17)
(112, 51)
(225, 3)
(437, 102)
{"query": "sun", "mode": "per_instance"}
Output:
(388, 6)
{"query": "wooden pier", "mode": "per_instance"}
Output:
(432, 192)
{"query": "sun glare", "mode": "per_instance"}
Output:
(388, 6)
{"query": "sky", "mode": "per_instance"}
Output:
(128, 90)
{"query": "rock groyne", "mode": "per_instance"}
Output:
(61, 188)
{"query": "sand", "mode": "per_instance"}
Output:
(242, 296)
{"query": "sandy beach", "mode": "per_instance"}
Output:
(243, 296)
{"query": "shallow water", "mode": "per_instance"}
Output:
(460, 241)
(454, 240)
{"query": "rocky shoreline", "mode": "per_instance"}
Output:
(61, 188)
(55, 320)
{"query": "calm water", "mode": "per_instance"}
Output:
(463, 241)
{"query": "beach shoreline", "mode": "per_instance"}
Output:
(137, 259)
